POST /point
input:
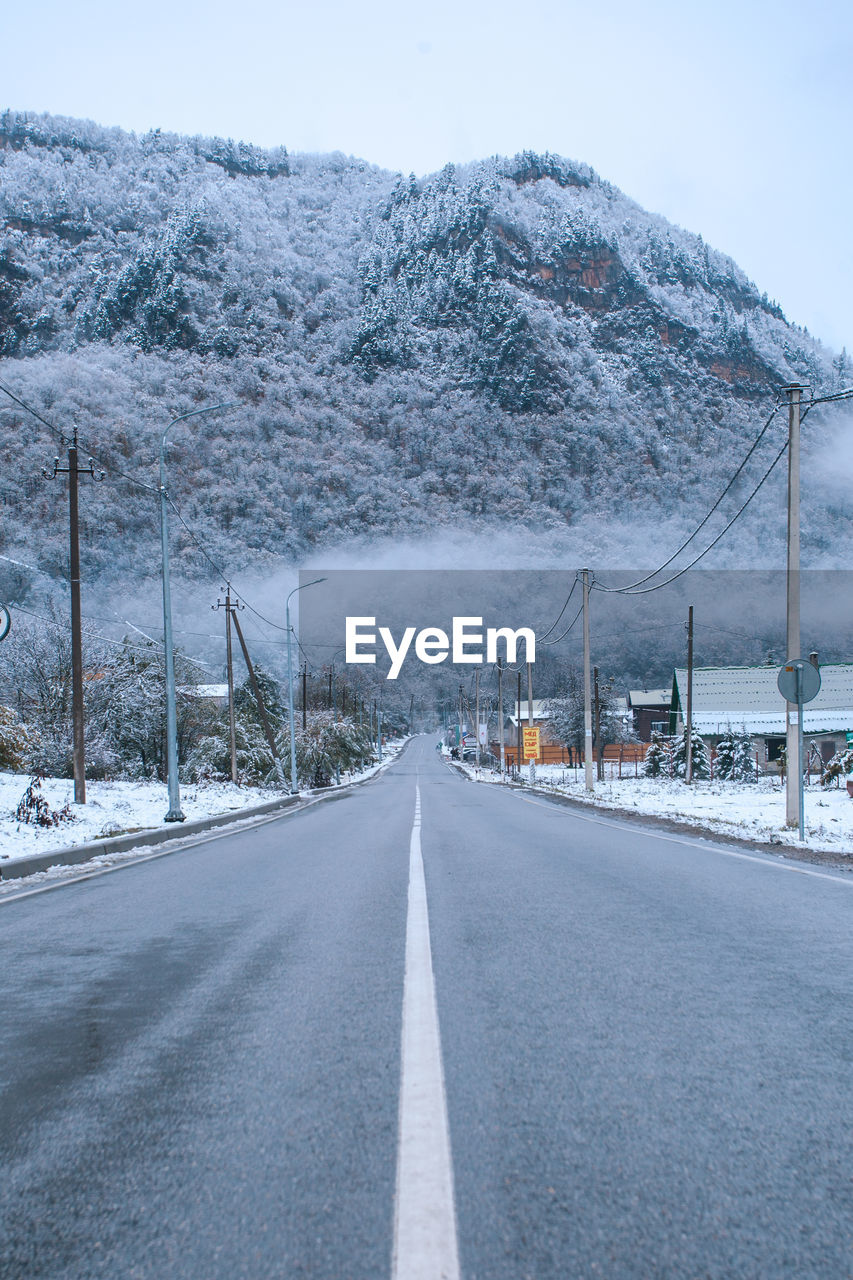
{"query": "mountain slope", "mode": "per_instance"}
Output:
(512, 344)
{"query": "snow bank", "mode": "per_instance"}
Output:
(113, 808)
(749, 811)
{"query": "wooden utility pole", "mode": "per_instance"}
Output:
(597, 720)
(518, 721)
(530, 717)
(477, 711)
(587, 690)
(501, 718)
(229, 666)
(688, 728)
(792, 642)
(73, 471)
(256, 690)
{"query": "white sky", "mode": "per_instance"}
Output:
(731, 118)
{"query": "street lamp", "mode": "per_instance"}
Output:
(294, 787)
(174, 814)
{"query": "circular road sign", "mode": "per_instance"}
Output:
(786, 680)
(5, 622)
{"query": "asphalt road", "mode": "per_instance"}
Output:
(646, 1047)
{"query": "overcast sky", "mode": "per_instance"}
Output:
(731, 118)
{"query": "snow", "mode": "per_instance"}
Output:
(115, 808)
(748, 811)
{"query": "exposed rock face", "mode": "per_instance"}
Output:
(510, 341)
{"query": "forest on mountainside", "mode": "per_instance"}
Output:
(503, 363)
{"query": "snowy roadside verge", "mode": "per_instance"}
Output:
(753, 813)
(123, 820)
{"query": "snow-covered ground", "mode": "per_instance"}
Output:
(114, 808)
(750, 812)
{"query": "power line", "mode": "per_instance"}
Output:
(63, 439)
(628, 591)
(567, 630)
(543, 638)
(703, 522)
(96, 635)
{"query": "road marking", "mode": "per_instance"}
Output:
(708, 845)
(425, 1246)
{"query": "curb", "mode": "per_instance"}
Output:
(678, 826)
(73, 854)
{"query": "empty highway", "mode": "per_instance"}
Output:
(430, 1029)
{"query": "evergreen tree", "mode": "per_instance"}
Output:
(658, 762)
(735, 759)
(744, 764)
(699, 753)
(724, 759)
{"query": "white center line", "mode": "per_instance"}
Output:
(425, 1246)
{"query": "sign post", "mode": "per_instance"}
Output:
(530, 743)
(798, 682)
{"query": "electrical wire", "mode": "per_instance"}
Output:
(701, 525)
(567, 630)
(63, 439)
(96, 635)
(542, 639)
(627, 591)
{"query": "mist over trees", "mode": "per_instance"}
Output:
(512, 351)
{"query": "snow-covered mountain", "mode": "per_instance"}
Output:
(510, 346)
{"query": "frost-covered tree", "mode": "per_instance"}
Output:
(700, 759)
(327, 745)
(735, 759)
(658, 761)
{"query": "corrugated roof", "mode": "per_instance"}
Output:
(649, 697)
(748, 697)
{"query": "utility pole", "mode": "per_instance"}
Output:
(477, 711)
(73, 471)
(461, 729)
(305, 695)
(256, 690)
(530, 717)
(229, 665)
(411, 713)
(688, 729)
(587, 690)
(597, 722)
(519, 732)
(792, 640)
(501, 718)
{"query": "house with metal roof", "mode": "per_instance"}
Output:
(650, 710)
(747, 698)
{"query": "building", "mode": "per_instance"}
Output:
(737, 698)
(650, 710)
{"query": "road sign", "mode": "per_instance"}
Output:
(809, 680)
(5, 622)
(530, 743)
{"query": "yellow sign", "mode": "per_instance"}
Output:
(530, 738)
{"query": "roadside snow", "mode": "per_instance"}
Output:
(749, 811)
(116, 808)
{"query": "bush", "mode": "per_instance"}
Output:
(17, 741)
(839, 766)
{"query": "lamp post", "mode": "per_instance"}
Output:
(174, 814)
(294, 786)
